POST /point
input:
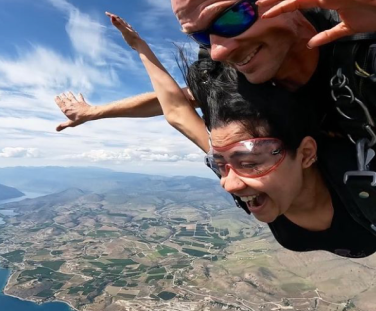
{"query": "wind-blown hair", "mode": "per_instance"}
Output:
(225, 96)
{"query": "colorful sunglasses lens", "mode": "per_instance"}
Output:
(202, 38)
(235, 21)
(231, 23)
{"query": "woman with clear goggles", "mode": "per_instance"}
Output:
(263, 145)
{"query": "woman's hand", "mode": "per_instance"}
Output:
(357, 16)
(78, 111)
(129, 34)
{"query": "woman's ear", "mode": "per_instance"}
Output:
(190, 95)
(308, 151)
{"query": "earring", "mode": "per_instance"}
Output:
(313, 160)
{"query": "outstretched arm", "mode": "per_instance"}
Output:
(176, 107)
(78, 111)
(357, 16)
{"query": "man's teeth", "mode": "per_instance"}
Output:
(249, 198)
(249, 57)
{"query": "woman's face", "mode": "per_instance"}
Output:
(267, 196)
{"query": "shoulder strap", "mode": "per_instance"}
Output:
(336, 157)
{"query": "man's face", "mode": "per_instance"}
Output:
(259, 53)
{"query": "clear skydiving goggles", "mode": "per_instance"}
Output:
(250, 158)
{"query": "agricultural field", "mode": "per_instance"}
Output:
(159, 248)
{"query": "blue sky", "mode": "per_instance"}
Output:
(53, 46)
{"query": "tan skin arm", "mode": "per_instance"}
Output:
(78, 111)
(175, 106)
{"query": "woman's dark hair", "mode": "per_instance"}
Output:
(225, 96)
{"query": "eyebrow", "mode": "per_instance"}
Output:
(238, 154)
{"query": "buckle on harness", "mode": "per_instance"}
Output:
(364, 157)
(362, 183)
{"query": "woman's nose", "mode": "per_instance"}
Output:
(222, 48)
(231, 182)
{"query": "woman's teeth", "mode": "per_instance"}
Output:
(249, 198)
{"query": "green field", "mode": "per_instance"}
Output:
(54, 265)
(180, 266)
(120, 283)
(45, 293)
(157, 271)
(75, 290)
(194, 252)
(45, 273)
(123, 262)
(166, 295)
(154, 277)
(15, 256)
(54, 253)
(167, 250)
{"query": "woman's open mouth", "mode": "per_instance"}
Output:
(255, 203)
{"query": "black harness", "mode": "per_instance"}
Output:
(353, 88)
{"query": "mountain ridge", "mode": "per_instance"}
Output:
(7, 192)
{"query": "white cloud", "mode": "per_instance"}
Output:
(195, 157)
(160, 157)
(28, 116)
(102, 156)
(43, 69)
(131, 155)
(88, 38)
(19, 152)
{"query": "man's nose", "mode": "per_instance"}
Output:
(231, 182)
(222, 48)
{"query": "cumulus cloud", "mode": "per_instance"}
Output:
(19, 152)
(31, 77)
(129, 155)
(88, 38)
(44, 69)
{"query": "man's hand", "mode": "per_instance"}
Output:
(357, 16)
(76, 110)
(129, 34)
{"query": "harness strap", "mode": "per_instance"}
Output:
(364, 196)
(336, 157)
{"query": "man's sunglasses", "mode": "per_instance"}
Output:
(230, 23)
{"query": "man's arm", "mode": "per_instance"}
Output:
(78, 111)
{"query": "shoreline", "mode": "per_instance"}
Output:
(4, 291)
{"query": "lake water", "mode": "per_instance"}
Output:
(8, 303)
(28, 195)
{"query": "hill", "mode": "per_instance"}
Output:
(9, 193)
